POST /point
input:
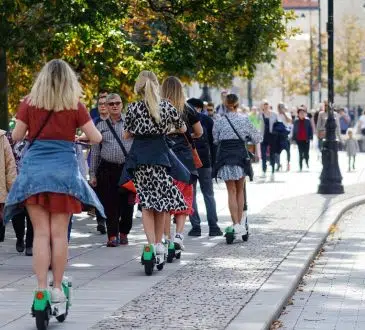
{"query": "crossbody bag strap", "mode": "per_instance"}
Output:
(239, 136)
(41, 128)
(117, 138)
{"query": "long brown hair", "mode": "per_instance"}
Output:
(172, 90)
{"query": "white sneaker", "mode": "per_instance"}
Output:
(263, 175)
(238, 229)
(272, 177)
(179, 239)
(160, 249)
(57, 295)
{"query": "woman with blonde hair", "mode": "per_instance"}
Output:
(150, 163)
(49, 183)
(172, 90)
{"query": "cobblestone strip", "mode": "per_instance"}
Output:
(210, 291)
(332, 294)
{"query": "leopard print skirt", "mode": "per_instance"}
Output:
(156, 190)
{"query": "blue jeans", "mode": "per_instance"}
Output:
(264, 147)
(206, 187)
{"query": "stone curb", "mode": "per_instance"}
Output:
(267, 304)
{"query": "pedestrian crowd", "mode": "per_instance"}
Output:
(152, 153)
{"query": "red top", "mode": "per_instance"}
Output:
(302, 133)
(61, 125)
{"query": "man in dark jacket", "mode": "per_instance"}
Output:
(205, 148)
(302, 134)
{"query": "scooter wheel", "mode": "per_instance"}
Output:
(229, 238)
(178, 255)
(160, 266)
(42, 319)
(62, 318)
(245, 238)
(148, 267)
(170, 256)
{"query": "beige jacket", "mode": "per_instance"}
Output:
(7, 166)
(321, 124)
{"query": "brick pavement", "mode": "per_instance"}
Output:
(332, 293)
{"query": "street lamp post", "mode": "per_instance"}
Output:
(206, 93)
(310, 62)
(331, 178)
(319, 52)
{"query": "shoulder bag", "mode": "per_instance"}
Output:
(248, 157)
(128, 184)
(197, 161)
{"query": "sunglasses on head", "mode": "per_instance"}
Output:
(114, 103)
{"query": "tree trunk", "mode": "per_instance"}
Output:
(348, 96)
(249, 93)
(4, 122)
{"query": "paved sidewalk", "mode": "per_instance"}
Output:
(211, 290)
(332, 293)
(205, 290)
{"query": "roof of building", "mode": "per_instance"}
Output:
(300, 4)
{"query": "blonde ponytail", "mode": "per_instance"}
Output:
(152, 99)
(147, 85)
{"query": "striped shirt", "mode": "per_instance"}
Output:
(109, 149)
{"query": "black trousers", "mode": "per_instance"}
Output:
(18, 222)
(303, 148)
(99, 218)
(118, 205)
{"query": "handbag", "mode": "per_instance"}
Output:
(197, 161)
(249, 157)
(128, 184)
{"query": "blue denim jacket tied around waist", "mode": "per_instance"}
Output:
(154, 150)
(49, 166)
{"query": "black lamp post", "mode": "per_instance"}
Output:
(206, 94)
(319, 52)
(331, 178)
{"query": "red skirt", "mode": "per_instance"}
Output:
(56, 203)
(188, 194)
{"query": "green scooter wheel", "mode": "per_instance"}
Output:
(42, 318)
(170, 256)
(148, 267)
(62, 318)
(229, 238)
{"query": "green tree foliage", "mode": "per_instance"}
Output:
(349, 49)
(108, 42)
